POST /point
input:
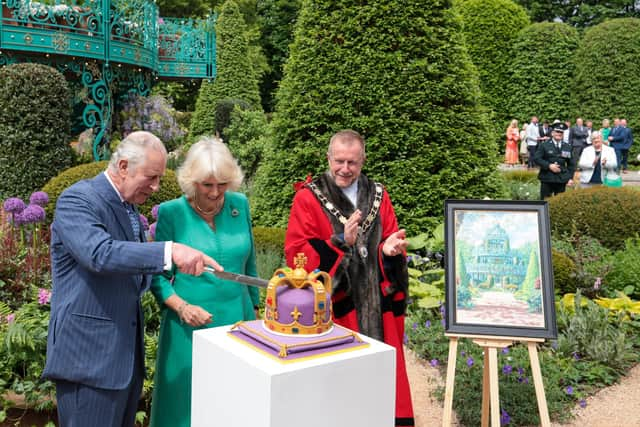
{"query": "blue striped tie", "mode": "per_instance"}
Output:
(134, 219)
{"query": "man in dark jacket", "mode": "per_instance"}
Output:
(578, 137)
(556, 162)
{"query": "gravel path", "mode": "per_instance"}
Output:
(615, 406)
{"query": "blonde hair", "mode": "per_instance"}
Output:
(209, 158)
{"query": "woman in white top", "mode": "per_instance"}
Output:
(596, 161)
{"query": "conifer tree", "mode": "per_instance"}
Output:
(235, 82)
(490, 28)
(398, 73)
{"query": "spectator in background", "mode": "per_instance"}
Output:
(511, 151)
(595, 161)
(621, 140)
(566, 134)
(524, 153)
(578, 136)
(589, 125)
(533, 135)
(545, 132)
(605, 131)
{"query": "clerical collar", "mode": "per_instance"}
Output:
(352, 193)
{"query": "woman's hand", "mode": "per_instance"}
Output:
(194, 315)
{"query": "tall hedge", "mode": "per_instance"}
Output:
(490, 28)
(398, 72)
(34, 127)
(607, 74)
(235, 77)
(541, 71)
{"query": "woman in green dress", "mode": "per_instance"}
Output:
(215, 220)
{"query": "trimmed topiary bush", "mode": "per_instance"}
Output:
(35, 125)
(236, 79)
(269, 238)
(169, 188)
(397, 72)
(489, 36)
(606, 214)
(563, 268)
(541, 67)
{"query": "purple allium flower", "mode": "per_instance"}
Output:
(569, 390)
(405, 339)
(442, 309)
(507, 369)
(597, 283)
(44, 296)
(14, 205)
(154, 211)
(505, 350)
(520, 371)
(33, 214)
(39, 198)
(576, 355)
(152, 230)
(427, 324)
(433, 362)
(414, 326)
(144, 222)
(444, 323)
(504, 418)
(583, 403)
(469, 361)
(463, 353)
(11, 317)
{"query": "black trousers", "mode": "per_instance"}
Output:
(548, 189)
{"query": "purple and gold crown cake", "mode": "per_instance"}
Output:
(298, 303)
(297, 320)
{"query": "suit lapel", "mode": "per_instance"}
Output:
(106, 192)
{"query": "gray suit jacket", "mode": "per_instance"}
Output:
(99, 274)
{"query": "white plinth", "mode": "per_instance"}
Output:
(235, 386)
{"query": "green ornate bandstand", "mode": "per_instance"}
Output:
(109, 47)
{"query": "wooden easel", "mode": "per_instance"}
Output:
(490, 397)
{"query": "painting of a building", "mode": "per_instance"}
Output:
(494, 262)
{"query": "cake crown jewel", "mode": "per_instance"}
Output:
(298, 302)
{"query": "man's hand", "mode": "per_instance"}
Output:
(395, 243)
(351, 228)
(554, 167)
(191, 261)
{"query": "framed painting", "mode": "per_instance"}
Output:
(499, 277)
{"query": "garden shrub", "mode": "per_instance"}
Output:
(625, 269)
(34, 127)
(541, 66)
(269, 238)
(413, 99)
(489, 36)
(599, 212)
(563, 268)
(248, 135)
(169, 188)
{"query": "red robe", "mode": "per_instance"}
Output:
(314, 231)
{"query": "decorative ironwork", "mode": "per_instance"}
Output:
(113, 47)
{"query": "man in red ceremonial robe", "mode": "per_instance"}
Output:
(345, 225)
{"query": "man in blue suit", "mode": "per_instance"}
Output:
(621, 139)
(100, 267)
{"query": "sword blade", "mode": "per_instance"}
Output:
(240, 278)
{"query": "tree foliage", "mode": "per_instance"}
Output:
(397, 72)
(607, 74)
(35, 118)
(277, 19)
(489, 36)
(580, 13)
(236, 77)
(541, 69)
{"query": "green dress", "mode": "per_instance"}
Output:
(231, 244)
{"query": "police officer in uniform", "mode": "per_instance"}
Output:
(556, 162)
